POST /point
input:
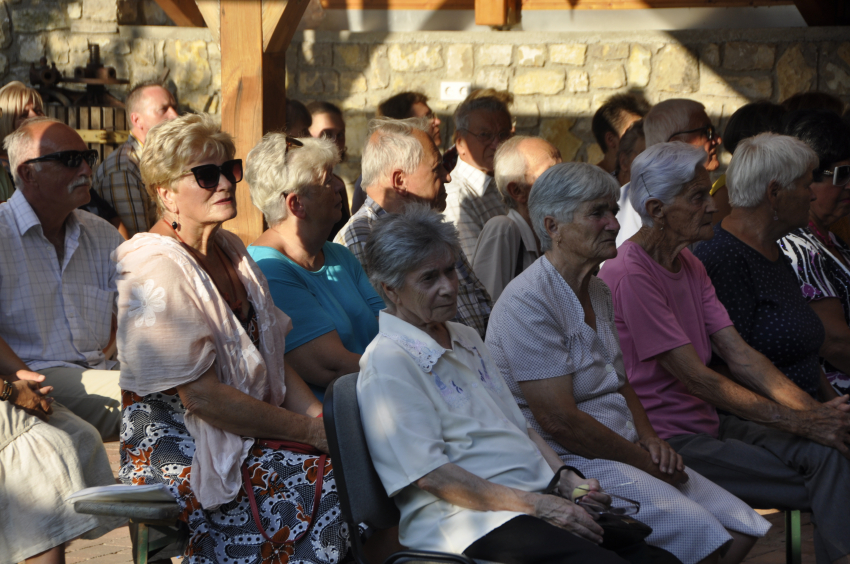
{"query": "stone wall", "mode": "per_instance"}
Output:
(560, 79)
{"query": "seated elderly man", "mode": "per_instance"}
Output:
(472, 197)
(772, 444)
(57, 282)
(400, 165)
(118, 180)
(680, 119)
(611, 121)
(507, 245)
(448, 441)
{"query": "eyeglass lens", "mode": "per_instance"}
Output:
(841, 175)
(208, 175)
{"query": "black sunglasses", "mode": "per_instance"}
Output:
(840, 175)
(71, 159)
(708, 129)
(208, 175)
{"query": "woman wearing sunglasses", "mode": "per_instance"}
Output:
(319, 284)
(820, 258)
(211, 408)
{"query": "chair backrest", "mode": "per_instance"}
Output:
(363, 498)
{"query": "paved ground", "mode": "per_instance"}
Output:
(115, 547)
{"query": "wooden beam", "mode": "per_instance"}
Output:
(496, 12)
(823, 12)
(280, 20)
(211, 11)
(183, 13)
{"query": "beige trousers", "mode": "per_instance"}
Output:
(92, 395)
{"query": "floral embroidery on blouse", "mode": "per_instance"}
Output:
(451, 393)
(424, 356)
(146, 302)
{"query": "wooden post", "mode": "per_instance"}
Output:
(496, 12)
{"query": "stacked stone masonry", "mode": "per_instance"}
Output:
(558, 79)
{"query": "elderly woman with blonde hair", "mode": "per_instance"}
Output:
(319, 284)
(211, 408)
(18, 103)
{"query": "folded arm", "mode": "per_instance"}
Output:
(836, 346)
(323, 360)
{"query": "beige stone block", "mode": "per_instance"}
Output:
(609, 51)
(531, 55)
(793, 75)
(459, 62)
(78, 43)
(639, 66)
(57, 48)
(116, 47)
(350, 55)
(128, 12)
(607, 76)
(378, 74)
(837, 80)
(710, 55)
(100, 10)
(557, 132)
(844, 52)
(560, 106)
(352, 81)
(315, 54)
(318, 81)
(740, 55)
(549, 81)
(215, 69)
(36, 20)
(74, 10)
(595, 153)
(356, 130)
(415, 82)
(571, 54)
(353, 102)
(190, 68)
(752, 87)
(493, 78)
(676, 69)
(88, 26)
(578, 81)
(526, 112)
(214, 50)
(415, 57)
(30, 48)
(4, 65)
(495, 55)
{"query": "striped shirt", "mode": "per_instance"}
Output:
(119, 182)
(473, 301)
(471, 200)
(52, 314)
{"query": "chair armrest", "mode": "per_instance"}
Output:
(427, 557)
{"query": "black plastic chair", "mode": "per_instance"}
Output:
(362, 496)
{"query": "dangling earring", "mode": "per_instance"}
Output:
(174, 224)
(775, 216)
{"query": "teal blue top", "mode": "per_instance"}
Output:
(338, 297)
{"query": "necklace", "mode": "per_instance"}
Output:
(826, 240)
(234, 304)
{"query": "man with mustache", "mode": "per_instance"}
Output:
(57, 282)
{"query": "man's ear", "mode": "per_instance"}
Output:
(26, 172)
(135, 119)
(398, 181)
(612, 141)
(517, 192)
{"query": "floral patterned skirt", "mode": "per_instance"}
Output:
(156, 448)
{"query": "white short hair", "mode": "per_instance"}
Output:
(272, 172)
(560, 190)
(18, 145)
(661, 173)
(391, 144)
(669, 117)
(762, 159)
(510, 165)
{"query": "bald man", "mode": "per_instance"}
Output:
(57, 282)
(507, 245)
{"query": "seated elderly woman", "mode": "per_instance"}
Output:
(47, 454)
(820, 258)
(319, 284)
(447, 439)
(554, 340)
(764, 449)
(211, 408)
(768, 182)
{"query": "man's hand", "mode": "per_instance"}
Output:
(29, 375)
(826, 425)
(567, 515)
(32, 398)
(668, 465)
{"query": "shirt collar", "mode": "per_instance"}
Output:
(477, 180)
(417, 343)
(525, 231)
(26, 219)
(373, 205)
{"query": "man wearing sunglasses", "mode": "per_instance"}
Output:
(684, 120)
(118, 180)
(472, 197)
(57, 282)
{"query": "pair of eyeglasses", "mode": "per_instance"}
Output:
(292, 143)
(489, 136)
(708, 131)
(624, 505)
(71, 159)
(208, 175)
(840, 175)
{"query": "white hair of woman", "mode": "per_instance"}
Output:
(667, 118)
(510, 165)
(275, 169)
(661, 173)
(400, 242)
(563, 188)
(763, 159)
(391, 145)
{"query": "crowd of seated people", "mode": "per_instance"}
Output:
(702, 372)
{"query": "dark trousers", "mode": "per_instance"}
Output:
(529, 540)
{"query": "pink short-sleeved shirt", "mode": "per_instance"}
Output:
(657, 311)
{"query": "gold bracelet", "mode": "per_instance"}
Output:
(8, 388)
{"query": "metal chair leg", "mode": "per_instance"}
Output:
(793, 540)
(140, 544)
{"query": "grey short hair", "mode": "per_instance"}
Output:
(400, 242)
(272, 171)
(471, 105)
(762, 159)
(661, 173)
(510, 165)
(669, 117)
(18, 145)
(391, 144)
(560, 190)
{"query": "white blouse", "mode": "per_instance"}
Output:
(424, 406)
